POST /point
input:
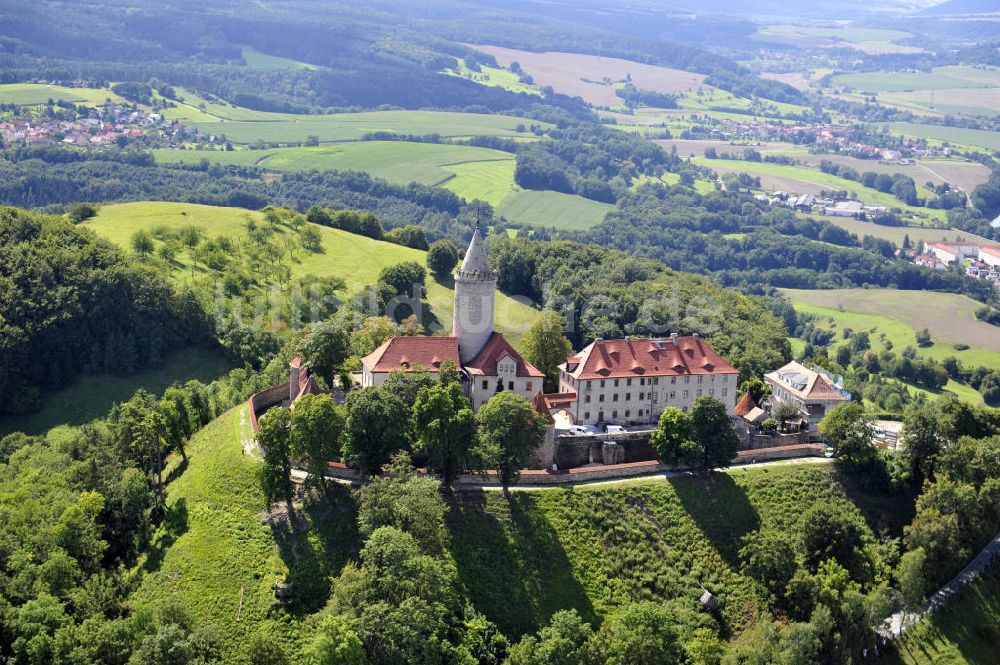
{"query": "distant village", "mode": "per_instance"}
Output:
(106, 125)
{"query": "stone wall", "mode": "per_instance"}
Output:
(265, 399)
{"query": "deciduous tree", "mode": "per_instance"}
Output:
(510, 430)
(546, 347)
(376, 428)
(446, 428)
(673, 438)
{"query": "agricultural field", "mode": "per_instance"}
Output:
(258, 60)
(962, 174)
(355, 259)
(245, 126)
(899, 315)
(805, 180)
(964, 632)
(520, 559)
(34, 94)
(869, 40)
(897, 234)
(493, 76)
(802, 80)
(584, 76)
(553, 209)
(697, 147)
(91, 396)
(879, 82)
(974, 139)
(399, 162)
(959, 90)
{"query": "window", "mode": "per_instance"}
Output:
(614, 398)
(687, 379)
(486, 384)
(587, 398)
(725, 391)
(628, 397)
(642, 396)
(586, 415)
(614, 414)
(699, 392)
(616, 383)
(656, 381)
(673, 394)
(600, 398)
(628, 382)
(510, 385)
(602, 383)
(711, 392)
(673, 380)
(700, 378)
(627, 413)
(642, 380)
(687, 393)
(528, 386)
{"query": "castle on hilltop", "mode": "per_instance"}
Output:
(485, 359)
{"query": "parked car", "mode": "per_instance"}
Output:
(615, 429)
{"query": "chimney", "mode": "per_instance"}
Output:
(673, 338)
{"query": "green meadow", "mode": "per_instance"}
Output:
(91, 396)
(494, 77)
(972, 138)
(357, 260)
(897, 234)
(258, 60)
(399, 162)
(33, 94)
(898, 315)
(553, 209)
(876, 82)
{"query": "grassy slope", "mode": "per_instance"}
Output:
(258, 60)
(355, 259)
(399, 162)
(974, 138)
(38, 93)
(808, 175)
(896, 234)
(545, 208)
(899, 314)
(966, 632)
(92, 395)
(520, 561)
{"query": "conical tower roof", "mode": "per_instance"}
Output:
(476, 263)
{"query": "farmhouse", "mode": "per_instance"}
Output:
(485, 360)
(631, 381)
(814, 393)
(956, 252)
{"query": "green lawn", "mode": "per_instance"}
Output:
(899, 314)
(258, 60)
(491, 181)
(31, 94)
(813, 176)
(965, 632)
(554, 209)
(355, 259)
(399, 162)
(92, 395)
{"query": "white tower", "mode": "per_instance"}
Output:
(475, 285)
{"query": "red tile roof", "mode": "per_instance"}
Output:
(539, 403)
(745, 405)
(992, 250)
(496, 347)
(676, 356)
(805, 383)
(411, 354)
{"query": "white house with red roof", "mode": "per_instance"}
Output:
(484, 358)
(631, 381)
(956, 252)
(814, 393)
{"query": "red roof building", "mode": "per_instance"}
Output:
(631, 381)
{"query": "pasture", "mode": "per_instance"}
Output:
(878, 82)
(805, 180)
(355, 259)
(91, 396)
(399, 162)
(966, 175)
(900, 314)
(35, 94)
(869, 40)
(977, 139)
(896, 234)
(553, 209)
(584, 76)
(494, 77)
(257, 60)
